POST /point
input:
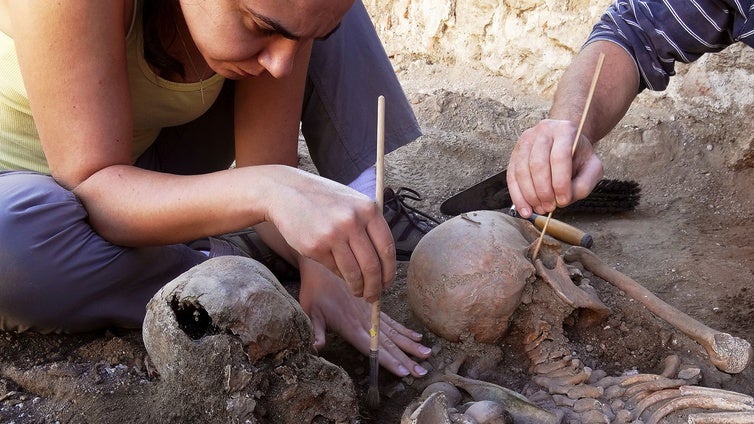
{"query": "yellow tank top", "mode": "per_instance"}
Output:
(156, 103)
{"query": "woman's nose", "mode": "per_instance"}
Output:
(278, 56)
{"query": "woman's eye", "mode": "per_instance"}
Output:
(266, 32)
(260, 28)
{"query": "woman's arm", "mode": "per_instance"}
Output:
(72, 56)
(342, 229)
(268, 112)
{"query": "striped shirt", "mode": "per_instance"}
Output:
(657, 33)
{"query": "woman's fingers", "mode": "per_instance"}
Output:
(366, 260)
(328, 303)
(348, 268)
(384, 245)
(396, 344)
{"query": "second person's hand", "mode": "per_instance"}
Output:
(542, 174)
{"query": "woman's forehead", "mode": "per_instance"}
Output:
(299, 18)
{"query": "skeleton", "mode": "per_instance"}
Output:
(565, 390)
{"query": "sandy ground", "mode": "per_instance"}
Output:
(689, 241)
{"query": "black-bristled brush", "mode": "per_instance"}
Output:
(609, 196)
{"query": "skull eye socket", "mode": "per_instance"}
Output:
(193, 319)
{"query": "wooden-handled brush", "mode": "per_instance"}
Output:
(373, 394)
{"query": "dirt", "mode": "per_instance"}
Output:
(689, 241)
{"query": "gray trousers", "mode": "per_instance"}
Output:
(58, 274)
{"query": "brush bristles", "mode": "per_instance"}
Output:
(373, 398)
(373, 394)
(609, 196)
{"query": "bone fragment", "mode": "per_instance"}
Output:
(654, 398)
(585, 404)
(579, 391)
(728, 353)
(529, 347)
(540, 397)
(516, 404)
(717, 393)
(700, 402)
(545, 352)
(610, 381)
(541, 331)
(562, 400)
(433, 410)
(617, 404)
(638, 397)
(613, 392)
(452, 394)
(593, 417)
(653, 386)
(608, 411)
(596, 376)
(722, 418)
(549, 367)
(690, 373)
(671, 365)
(560, 281)
(564, 373)
(457, 418)
(630, 380)
(569, 380)
(623, 416)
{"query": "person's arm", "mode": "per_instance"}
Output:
(616, 89)
(320, 219)
(357, 241)
(642, 42)
(72, 56)
(541, 171)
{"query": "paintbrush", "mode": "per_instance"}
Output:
(373, 394)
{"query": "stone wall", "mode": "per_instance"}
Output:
(532, 41)
(527, 40)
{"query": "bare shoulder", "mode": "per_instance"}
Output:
(7, 6)
(5, 18)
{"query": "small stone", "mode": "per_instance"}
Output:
(394, 389)
(689, 373)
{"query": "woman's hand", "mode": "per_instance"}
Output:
(325, 299)
(542, 174)
(335, 226)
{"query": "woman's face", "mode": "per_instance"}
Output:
(241, 38)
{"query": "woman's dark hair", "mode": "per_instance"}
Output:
(159, 17)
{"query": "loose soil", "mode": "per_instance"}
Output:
(689, 241)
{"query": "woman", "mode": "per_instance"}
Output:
(119, 122)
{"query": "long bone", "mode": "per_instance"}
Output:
(728, 353)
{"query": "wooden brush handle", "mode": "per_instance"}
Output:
(562, 231)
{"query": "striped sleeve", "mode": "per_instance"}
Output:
(657, 33)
